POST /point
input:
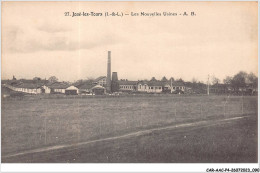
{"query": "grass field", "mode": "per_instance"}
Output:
(32, 123)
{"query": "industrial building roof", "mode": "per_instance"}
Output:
(85, 85)
(29, 85)
(58, 85)
(99, 78)
(126, 82)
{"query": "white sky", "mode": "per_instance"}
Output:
(38, 40)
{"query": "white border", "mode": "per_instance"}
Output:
(119, 167)
(149, 167)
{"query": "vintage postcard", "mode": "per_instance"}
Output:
(129, 82)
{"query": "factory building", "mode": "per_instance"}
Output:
(102, 85)
(102, 80)
(72, 90)
(127, 86)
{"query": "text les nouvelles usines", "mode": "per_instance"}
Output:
(121, 14)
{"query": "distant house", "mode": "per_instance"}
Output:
(178, 86)
(58, 87)
(155, 86)
(98, 90)
(29, 88)
(142, 86)
(127, 86)
(72, 90)
(46, 89)
(150, 86)
(86, 88)
(26, 86)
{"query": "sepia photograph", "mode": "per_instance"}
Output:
(129, 82)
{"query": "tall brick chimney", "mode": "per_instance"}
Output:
(109, 72)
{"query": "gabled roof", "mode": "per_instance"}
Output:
(98, 87)
(29, 85)
(99, 78)
(176, 83)
(156, 83)
(125, 82)
(71, 87)
(161, 83)
(85, 85)
(151, 83)
(25, 81)
(142, 82)
(58, 85)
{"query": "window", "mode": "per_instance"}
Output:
(151, 87)
(159, 88)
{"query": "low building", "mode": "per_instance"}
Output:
(150, 86)
(72, 90)
(58, 87)
(85, 88)
(89, 88)
(46, 89)
(127, 86)
(178, 86)
(155, 86)
(28, 88)
(98, 90)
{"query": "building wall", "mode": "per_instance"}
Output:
(25, 90)
(149, 89)
(154, 89)
(126, 87)
(72, 88)
(182, 88)
(47, 89)
(59, 91)
(102, 82)
(142, 87)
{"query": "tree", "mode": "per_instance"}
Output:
(171, 79)
(227, 80)
(214, 80)
(253, 80)
(239, 80)
(36, 78)
(179, 80)
(153, 79)
(164, 79)
(53, 79)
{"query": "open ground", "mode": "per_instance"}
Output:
(146, 129)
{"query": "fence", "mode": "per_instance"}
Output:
(30, 124)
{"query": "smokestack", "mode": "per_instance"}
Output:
(114, 83)
(109, 72)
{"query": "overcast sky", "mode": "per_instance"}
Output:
(38, 40)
